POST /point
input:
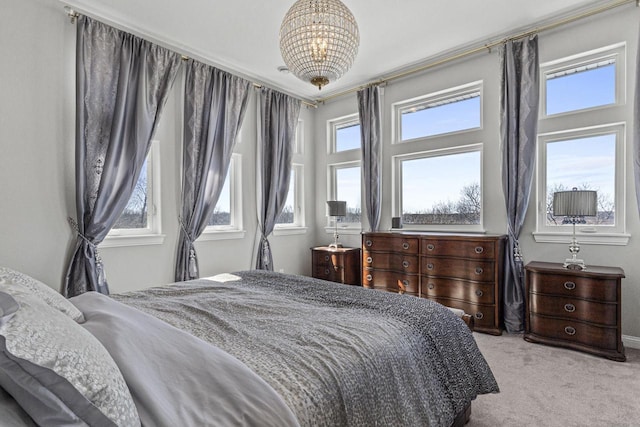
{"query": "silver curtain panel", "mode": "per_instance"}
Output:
(122, 83)
(370, 133)
(636, 129)
(277, 120)
(519, 99)
(214, 107)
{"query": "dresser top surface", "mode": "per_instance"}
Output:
(408, 233)
(590, 271)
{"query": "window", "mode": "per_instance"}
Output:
(346, 186)
(139, 223)
(345, 134)
(440, 188)
(581, 142)
(292, 214)
(226, 220)
(453, 110)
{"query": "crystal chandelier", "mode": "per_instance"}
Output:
(319, 40)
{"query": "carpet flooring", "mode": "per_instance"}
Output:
(549, 386)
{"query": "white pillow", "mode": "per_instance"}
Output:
(48, 294)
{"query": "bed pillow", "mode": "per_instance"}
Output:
(58, 372)
(8, 305)
(48, 294)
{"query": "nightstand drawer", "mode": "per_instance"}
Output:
(458, 248)
(574, 309)
(336, 264)
(327, 259)
(327, 272)
(391, 261)
(574, 286)
(391, 281)
(475, 292)
(458, 268)
(574, 331)
(406, 245)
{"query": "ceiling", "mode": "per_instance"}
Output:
(241, 36)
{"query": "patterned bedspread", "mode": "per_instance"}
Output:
(338, 355)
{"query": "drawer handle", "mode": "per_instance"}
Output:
(569, 330)
(326, 271)
(431, 286)
(569, 285)
(479, 315)
(479, 293)
(369, 277)
(569, 308)
(430, 247)
(326, 257)
(369, 259)
(479, 249)
(405, 264)
(479, 270)
(368, 243)
(405, 246)
(429, 266)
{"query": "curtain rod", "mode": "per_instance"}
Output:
(488, 46)
(74, 15)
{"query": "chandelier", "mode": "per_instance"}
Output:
(319, 40)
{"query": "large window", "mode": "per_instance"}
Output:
(441, 188)
(292, 214)
(581, 142)
(345, 179)
(226, 219)
(344, 134)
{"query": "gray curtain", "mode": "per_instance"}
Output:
(636, 129)
(519, 99)
(277, 120)
(122, 83)
(370, 133)
(214, 106)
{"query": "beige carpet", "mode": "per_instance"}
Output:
(550, 386)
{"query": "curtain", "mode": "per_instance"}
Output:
(636, 129)
(519, 99)
(277, 120)
(122, 83)
(214, 106)
(370, 133)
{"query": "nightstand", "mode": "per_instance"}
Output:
(577, 309)
(336, 264)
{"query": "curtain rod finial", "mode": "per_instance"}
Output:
(72, 14)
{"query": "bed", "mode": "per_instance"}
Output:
(248, 348)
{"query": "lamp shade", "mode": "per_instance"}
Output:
(575, 203)
(336, 208)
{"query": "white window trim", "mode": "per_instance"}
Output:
(332, 128)
(235, 230)
(399, 108)
(588, 234)
(298, 226)
(299, 141)
(397, 185)
(617, 52)
(347, 227)
(152, 234)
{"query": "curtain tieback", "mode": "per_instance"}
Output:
(102, 277)
(193, 269)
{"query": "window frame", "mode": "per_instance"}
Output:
(396, 162)
(235, 230)
(348, 227)
(298, 225)
(400, 107)
(152, 234)
(332, 128)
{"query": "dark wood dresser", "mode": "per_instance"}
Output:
(577, 309)
(336, 264)
(456, 270)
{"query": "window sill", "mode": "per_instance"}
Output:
(221, 235)
(289, 230)
(132, 240)
(356, 229)
(613, 239)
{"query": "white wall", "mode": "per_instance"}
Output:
(37, 44)
(603, 30)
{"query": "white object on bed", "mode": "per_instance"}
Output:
(223, 277)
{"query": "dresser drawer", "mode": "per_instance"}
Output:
(391, 261)
(458, 268)
(574, 286)
(475, 292)
(575, 309)
(327, 259)
(484, 315)
(459, 248)
(391, 281)
(574, 331)
(408, 245)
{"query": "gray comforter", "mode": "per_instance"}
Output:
(338, 355)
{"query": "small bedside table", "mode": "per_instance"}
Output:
(577, 309)
(340, 265)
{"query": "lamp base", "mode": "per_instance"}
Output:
(335, 245)
(574, 264)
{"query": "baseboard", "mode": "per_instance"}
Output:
(631, 342)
